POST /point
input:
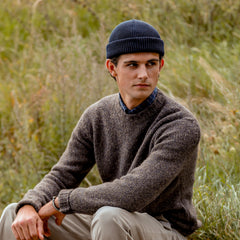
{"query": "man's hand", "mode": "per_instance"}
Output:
(28, 224)
(46, 212)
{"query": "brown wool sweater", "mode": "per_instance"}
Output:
(146, 162)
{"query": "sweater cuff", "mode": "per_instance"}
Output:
(64, 201)
(27, 202)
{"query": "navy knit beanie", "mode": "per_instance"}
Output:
(134, 36)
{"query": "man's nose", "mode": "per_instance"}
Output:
(142, 73)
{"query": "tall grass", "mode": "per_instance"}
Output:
(52, 57)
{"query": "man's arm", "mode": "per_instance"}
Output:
(34, 210)
(76, 161)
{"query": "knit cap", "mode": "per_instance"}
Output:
(134, 36)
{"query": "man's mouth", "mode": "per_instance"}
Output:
(141, 85)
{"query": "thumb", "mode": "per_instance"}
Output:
(47, 231)
(59, 218)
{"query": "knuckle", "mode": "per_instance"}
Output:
(30, 221)
(21, 223)
(15, 225)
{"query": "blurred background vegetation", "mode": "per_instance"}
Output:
(52, 56)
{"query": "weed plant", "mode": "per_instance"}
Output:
(52, 56)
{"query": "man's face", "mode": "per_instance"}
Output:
(136, 75)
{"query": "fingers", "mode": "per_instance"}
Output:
(18, 234)
(40, 230)
(24, 231)
(33, 231)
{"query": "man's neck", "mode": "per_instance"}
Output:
(139, 107)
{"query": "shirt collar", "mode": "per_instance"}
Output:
(141, 106)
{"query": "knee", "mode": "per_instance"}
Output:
(106, 216)
(8, 216)
(6, 221)
(9, 211)
(106, 221)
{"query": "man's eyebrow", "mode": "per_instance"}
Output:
(154, 60)
(130, 61)
(150, 60)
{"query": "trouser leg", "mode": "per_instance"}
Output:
(111, 223)
(74, 226)
(108, 223)
(6, 221)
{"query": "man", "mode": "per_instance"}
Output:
(145, 147)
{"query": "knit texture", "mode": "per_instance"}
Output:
(134, 36)
(146, 162)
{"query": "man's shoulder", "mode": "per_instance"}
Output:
(171, 105)
(175, 113)
(105, 102)
(103, 105)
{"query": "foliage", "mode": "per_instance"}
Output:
(52, 57)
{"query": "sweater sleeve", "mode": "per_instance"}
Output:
(72, 167)
(173, 149)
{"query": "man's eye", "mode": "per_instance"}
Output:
(132, 65)
(151, 63)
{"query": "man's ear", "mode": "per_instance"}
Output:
(111, 67)
(161, 64)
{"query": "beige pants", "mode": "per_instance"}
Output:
(108, 223)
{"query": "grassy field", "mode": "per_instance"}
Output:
(52, 56)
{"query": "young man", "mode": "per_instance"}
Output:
(145, 147)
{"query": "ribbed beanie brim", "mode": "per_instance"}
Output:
(134, 36)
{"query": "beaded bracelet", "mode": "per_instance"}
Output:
(53, 203)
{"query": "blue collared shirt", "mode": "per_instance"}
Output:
(141, 106)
